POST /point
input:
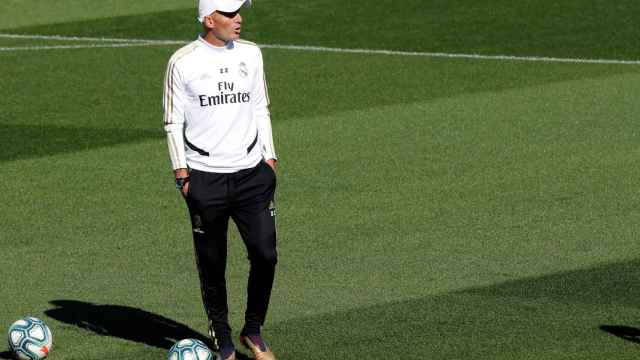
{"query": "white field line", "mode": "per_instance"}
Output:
(85, 46)
(121, 42)
(75, 38)
(453, 55)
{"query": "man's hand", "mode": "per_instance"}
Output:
(183, 173)
(185, 189)
(272, 163)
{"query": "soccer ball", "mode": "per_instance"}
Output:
(30, 339)
(190, 349)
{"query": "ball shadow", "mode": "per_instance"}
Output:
(7, 355)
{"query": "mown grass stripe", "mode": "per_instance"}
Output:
(144, 42)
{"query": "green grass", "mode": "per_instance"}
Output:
(428, 208)
(573, 28)
(17, 13)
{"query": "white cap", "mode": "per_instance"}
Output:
(207, 7)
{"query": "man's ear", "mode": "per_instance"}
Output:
(207, 21)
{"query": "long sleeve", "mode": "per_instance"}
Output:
(261, 113)
(174, 116)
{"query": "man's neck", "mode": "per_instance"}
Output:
(213, 40)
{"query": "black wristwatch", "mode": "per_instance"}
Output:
(181, 182)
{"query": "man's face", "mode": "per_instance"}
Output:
(226, 26)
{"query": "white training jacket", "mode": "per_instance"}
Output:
(216, 107)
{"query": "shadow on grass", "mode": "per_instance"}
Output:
(545, 316)
(8, 355)
(27, 141)
(527, 318)
(125, 322)
(171, 24)
(624, 332)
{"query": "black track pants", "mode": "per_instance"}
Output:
(247, 197)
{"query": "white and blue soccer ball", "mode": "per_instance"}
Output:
(190, 349)
(30, 339)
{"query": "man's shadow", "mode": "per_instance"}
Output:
(125, 322)
(624, 332)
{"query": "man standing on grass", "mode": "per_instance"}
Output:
(219, 135)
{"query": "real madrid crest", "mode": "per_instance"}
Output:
(244, 72)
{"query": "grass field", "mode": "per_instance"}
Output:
(429, 207)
